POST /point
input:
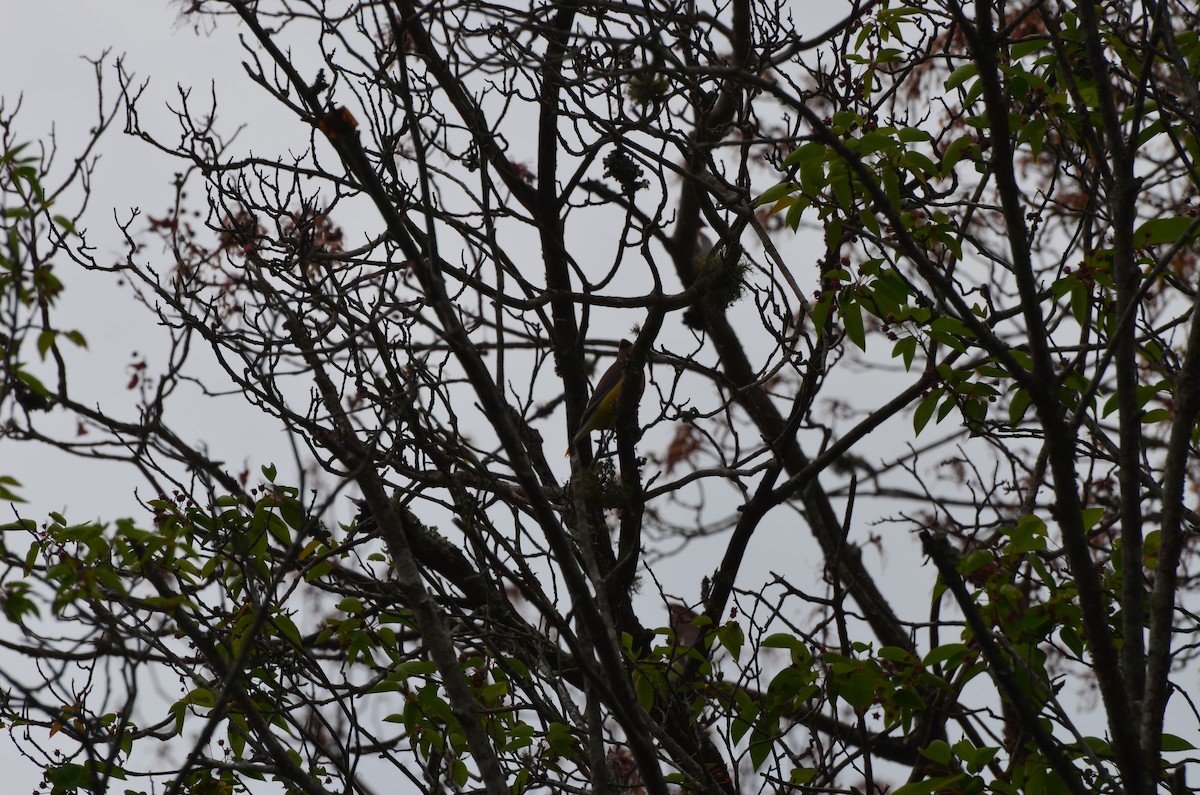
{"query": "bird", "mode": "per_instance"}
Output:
(601, 408)
(683, 622)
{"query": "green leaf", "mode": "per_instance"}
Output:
(870, 222)
(812, 176)
(890, 178)
(795, 211)
(911, 135)
(760, 748)
(879, 140)
(807, 153)
(896, 654)
(1110, 405)
(1156, 127)
(1091, 517)
(1027, 535)
(852, 321)
(973, 93)
(960, 75)
(730, 636)
(1163, 230)
(1155, 415)
(277, 528)
(8, 494)
(1070, 638)
(782, 640)
(775, 193)
(1020, 402)
(738, 728)
(1099, 746)
(891, 287)
(840, 180)
(802, 775)
(954, 152)
(925, 409)
(833, 234)
(1171, 743)
(917, 787)
(920, 165)
(906, 348)
(11, 155)
(644, 689)
(820, 312)
(293, 513)
(944, 653)
(45, 341)
(1034, 134)
(65, 224)
(288, 629)
(1027, 46)
(66, 778)
(846, 120)
(938, 751)
(201, 697)
(950, 331)
(975, 561)
(976, 758)
(520, 736)
(561, 739)
(1081, 300)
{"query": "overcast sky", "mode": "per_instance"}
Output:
(43, 61)
(45, 64)
(47, 68)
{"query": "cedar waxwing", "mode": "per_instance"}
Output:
(601, 409)
(683, 619)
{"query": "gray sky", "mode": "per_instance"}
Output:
(43, 63)
(46, 67)
(43, 60)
